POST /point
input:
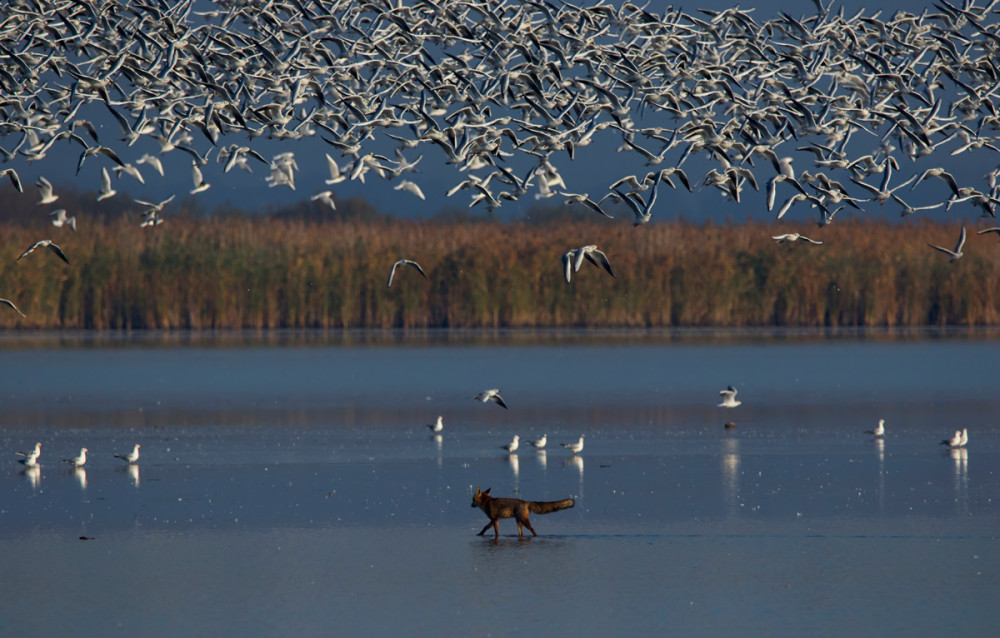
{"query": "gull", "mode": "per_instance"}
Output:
(153, 161)
(437, 426)
(965, 438)
(957, 253)
(78, 461)
(410, 187)
(8, 302)
(106, 190)
(30, 458)
(405, 262)
(879, 429)
(132, 456)
(512, 446)
(45, 188)
(60, 219)
(491, 395)
(729, 398)
(540, 443)
(584, 198)
(199, 182)
(325, 197)
(575, 448)
(335, 175)
(14, 179)
(955, 440)
(42, 243)
(941, 174)
(594, 256)
(790, 237)
(645, 213)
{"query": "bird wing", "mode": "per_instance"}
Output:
(58, 251)
(600, 260)
(961, 241)
(567, 260)
(391, 273)
(410, 262)
(11, 304)
(496, 397)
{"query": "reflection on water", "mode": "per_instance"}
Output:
(576, 461)
(33, 474)
(542, 457)
(81, 476)
(132, 469)
(515, 466)
(731, 473)
(439, 447)
(960, 457)
(880, 455)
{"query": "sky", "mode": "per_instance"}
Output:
(587, 173)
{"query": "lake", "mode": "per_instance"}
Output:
(288, 484)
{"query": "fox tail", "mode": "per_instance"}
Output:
(538, 507)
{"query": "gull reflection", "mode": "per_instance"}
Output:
(731, 472)
(133, 473)
(515, 465)
(960, 456)
(542, 457)
(81, 477)
(577, 462)
(438, 444)
(34, 475)
(880, 453)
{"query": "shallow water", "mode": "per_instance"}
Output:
(295, 488)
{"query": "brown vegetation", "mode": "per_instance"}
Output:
(288, 273)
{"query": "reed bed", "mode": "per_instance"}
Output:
(237, 273)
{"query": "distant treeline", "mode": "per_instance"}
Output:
(236, 272)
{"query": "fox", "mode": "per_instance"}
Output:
(497, 508)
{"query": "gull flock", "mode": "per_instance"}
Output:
(812, 114)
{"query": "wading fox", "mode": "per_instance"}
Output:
(497, 508)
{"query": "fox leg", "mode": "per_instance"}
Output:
(493, 522)
(526, 524)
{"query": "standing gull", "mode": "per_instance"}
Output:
(30, 458)
(540, 443)
(132, 456)
(512, 446)
(437, 426)
(575, 448)
(954, 441)
(879, 429)
(78, 461)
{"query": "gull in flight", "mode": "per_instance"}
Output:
(405, 262)
(575, 448)
(955, 440)
(60, 219)
(437, 426)
(8, 302)
(132, 456)
(106, 190)
(13, 177)
(410, 187)
(791, 237)
(540, 443)
(957, 253)
(879, 429)
(42, 243)
(325, 197)
(729, 398)
(30, 458)
(199, 182)
(512, 446)
(78, 461)
(45, 188)
(491, 395)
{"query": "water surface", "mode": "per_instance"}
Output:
(293, 487)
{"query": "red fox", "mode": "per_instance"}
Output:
(497, 508)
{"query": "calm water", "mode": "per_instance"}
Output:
(293, 488)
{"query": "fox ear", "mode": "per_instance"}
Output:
(478, 492)
(487, 490)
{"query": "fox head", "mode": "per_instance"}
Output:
(478, 497)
